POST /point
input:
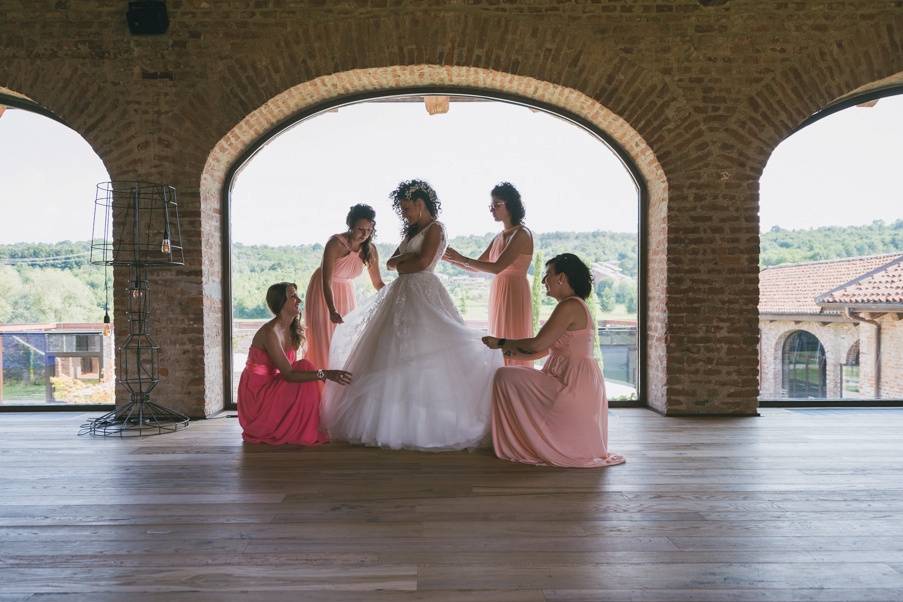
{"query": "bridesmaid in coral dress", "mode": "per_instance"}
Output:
(278, 397)
(556, 416)
(330, 293)
(508, 257)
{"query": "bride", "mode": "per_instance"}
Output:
(423, 380)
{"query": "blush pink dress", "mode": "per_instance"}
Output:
(318, 326)
(556, 416)
(510, 306)
(273, 410)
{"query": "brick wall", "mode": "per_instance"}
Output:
(837, 337)
(891, 356)
(699, 97)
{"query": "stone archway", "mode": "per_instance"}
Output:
(332, 89)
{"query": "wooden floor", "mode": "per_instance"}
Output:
(792, 505)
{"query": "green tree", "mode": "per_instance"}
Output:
(462, 302)
(604, 289)
(630, 301)
(606, 300)
(536, 290)
(594, 313)
(10, 288)
(52, 295)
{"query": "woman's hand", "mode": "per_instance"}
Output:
(338, 376)
(335, 317)
(491, 342)
(452, 256)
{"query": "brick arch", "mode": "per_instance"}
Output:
(65, 97)
(782, 340)
(333, 88)
(816, 80)
(853, 353)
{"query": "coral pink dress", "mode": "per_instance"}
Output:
(273, 410)
(510, 307)
(558, 415)
(318, 326)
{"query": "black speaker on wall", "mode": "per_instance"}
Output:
(147, 17)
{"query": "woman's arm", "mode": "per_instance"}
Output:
(330, 255)
(373, 268)
(274, 350)
(519, 244)
(417, 262)
(396, 257)
(565, 315)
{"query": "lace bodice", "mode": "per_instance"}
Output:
(415, 243)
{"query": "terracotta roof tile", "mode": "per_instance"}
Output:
(793, 288)
(883, 285)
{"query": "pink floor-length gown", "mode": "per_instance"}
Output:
(510, 306)
(556, 416)
(318, 327)
(273, 410)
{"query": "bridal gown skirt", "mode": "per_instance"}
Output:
(422, 379)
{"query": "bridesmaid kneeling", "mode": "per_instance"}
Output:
(278, 397)
(558, 415)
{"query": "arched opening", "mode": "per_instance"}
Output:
(56, 352)
(329, 92)
(803, 367)
(596, 216)
(832, 245)
(849, 383)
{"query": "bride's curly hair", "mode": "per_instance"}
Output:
(412, 190)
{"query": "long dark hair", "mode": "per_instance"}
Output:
(412, 190)
(578, 274)
(508, 193)
(277, 295)
(357, 212)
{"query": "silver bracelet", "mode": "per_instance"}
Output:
(321, 375)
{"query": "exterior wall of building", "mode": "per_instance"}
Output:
(891, 356)
(836, 337)
(698, 95)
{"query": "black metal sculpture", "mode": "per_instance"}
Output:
(136, 225)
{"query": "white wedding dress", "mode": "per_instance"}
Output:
(421, 378)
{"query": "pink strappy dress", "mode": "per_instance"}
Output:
(556, 416)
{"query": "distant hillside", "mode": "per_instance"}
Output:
(54, 281)
(833, 242)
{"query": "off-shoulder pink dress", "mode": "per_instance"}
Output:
(318, 327)
(556, 416)
(273, 410)
(510, 307)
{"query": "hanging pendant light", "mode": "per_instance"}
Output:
(436, 104)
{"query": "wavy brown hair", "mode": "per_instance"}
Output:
(361, 211)
(277, 295)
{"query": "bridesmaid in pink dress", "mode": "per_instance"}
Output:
(508, 257)
(330, 293)
(278, 397)
(556, 416)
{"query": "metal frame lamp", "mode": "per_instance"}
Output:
(136, 225)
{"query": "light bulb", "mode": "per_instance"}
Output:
(107, 327)
(166, 247)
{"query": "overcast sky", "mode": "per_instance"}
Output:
(298, 188)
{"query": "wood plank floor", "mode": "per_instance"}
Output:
(791, 505)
